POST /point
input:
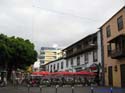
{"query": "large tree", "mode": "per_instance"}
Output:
(16, 53)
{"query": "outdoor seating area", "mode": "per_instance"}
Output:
(44, 78)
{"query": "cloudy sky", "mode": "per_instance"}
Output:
(48, 22)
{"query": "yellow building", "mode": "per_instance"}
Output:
(48, 54)
(113, 35)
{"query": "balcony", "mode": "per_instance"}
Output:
(81, 50)
(89, 47)
(117, 54)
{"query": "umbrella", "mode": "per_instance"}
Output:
(44, 73)
(62, 73)
(85, 73)
(41, 73)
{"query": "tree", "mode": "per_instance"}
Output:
(16, 53)
(4, 51)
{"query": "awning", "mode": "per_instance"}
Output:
(85, 73)
(62, 73)
(41, 73)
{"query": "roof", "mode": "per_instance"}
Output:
(49, 48)
(80, 40)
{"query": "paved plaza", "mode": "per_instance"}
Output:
(11, 89)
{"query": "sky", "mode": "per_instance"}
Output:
(55, 22)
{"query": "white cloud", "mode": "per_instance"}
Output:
(48, 22)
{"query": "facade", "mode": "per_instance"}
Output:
(84, 54)
(56, 65)
(113, 37)
(48, 54)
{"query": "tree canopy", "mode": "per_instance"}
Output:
(16, 52)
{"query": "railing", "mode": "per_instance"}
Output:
(84, 49)
(118, 53)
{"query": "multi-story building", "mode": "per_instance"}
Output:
(113, 37)
(48, 54)
(82, 55)
(85, 55)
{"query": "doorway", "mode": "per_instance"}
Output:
(110, 76)
(122, 67)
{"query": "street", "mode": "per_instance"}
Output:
(11, 89)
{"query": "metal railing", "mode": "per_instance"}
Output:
(118, 53)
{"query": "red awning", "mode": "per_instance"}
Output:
(41, 73)
(62, 73)
(85, 73)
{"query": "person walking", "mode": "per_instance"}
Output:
(14, 78)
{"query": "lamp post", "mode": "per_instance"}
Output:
(92, 90)
(28, 86)
(56, 89)
(72, 89)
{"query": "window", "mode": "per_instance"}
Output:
(109, 49)
(71, 61)
(108, 31)
(42, 53)
(41, 61)
(48, 68)
(54, 57)
(120, 23)
(95, 54)
(67, 63)
(54, 53)
(51, 68)
(78, 60)
(57, 66)
(61, 65)
(86, 58)
(54, 67)
(42, 57)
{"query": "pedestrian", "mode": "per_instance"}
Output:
(86, 81)
(14, 78)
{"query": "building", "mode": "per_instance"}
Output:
(113, 37)
(56, 65)
(36, 66)
(84, 54)
(48, 54)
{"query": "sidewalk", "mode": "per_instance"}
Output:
(11, 89)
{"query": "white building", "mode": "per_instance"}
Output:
(83, 55)
(36, 65)
(56, 65)
(48, 54)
